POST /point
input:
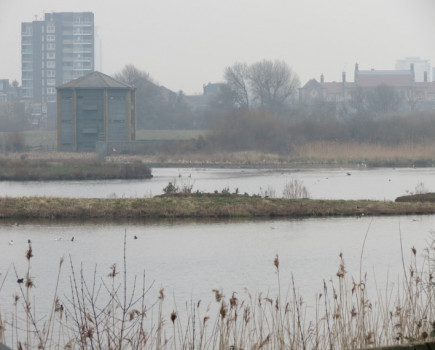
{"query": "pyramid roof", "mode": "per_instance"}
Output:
(95, 80)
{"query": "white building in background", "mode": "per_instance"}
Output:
(420, 67)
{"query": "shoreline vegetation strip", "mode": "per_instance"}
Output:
(202, 206)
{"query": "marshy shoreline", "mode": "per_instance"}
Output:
(204, 206)
(193, 205)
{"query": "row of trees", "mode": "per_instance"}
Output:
(263, 131)
(267, 85)
(270, 85)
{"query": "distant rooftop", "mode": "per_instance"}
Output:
(95, 80)
(385, 72)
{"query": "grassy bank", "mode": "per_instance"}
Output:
(200, 206)
(85, 168)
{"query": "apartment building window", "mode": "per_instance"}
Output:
(51, 64)
(27, 30)
(27, 92)
(51, 55)
(51, 91)
(51, 98)
(51, 82)
(51, 38)
(51, 46)
(27, 66)
(50, 29)
(51, 73)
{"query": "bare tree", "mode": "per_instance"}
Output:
(384, 99)
(133, 76)
(237, 77)
(273, 84)
(149, 100)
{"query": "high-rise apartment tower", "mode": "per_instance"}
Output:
(54, 51)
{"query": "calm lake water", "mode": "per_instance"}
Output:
(380, 184)
(189, 259)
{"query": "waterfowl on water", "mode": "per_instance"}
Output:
(72, 239)
(20, 280)
(11, 242)
(135, 237)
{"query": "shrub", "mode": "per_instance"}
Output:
(420, 188)
(15, 142)
(295, 189)
(170, 189)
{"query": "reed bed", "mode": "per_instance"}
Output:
(368, 154)
(321, 153)
(119, 311)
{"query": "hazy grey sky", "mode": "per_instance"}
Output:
(185, 44)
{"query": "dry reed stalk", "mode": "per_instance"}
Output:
(349, 319)
(352, 150)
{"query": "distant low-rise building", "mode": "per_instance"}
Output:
(94, 108)
(419, 94)
(8, 92)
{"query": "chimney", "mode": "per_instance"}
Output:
(322, 79)
(344, 77)
(356, 72)
(412, 70)
(425, 77)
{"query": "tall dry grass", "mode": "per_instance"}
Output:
(356, 150)
(118, 311)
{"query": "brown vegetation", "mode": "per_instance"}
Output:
(25, 169)
(220, 205)
(420, 197)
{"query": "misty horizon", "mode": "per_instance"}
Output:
(186, 45)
